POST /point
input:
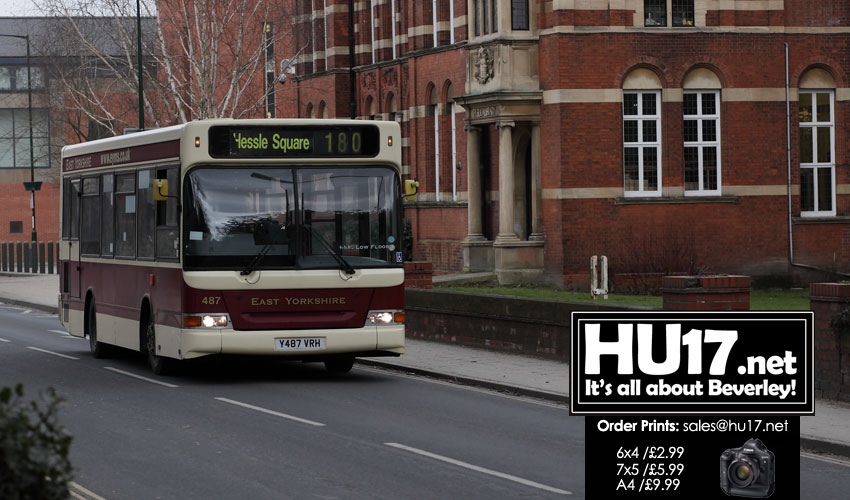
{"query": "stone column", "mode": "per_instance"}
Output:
(536, 186)
(506, 183)
(473, 183)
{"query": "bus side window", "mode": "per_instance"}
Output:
(73, 207)
(90, 237)
(107, 237)
(125, 215)
(66, 209)
(145, 222)
(167, 222)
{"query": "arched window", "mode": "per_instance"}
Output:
(701, 132)
(370, 107)
(323, 110)
(450, 103)
(816, 113)
(432, 109)
(310, 110)
(642, 133)
(392, 107)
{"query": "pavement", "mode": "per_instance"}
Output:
(828, 431)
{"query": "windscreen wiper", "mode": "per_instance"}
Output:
(343, 264)
(273, 235)
(257, 259)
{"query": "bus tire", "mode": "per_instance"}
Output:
(160, 365)
(98, 349)
(339, 365)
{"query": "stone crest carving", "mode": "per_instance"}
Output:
(367, 80)
(483, 64)
(390, 77)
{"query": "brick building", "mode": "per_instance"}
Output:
(15, 160)
(669, 135)
(55, 122)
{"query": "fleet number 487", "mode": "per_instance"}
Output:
(692, 341)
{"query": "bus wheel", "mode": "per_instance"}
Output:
(160, 365)
(339, 365)
(98, 349)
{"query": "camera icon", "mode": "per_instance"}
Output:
(748, 471)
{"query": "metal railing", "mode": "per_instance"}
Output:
(29, 257)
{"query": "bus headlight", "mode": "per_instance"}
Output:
(385, 318)
(205, 320)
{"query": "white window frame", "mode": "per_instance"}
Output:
(325, 22)
(668, 22)
(372, 30)
(453, 165)
(451, 22)
(434, 21)
(816, 165)
(437, 151)
(642, 145)
(701, 143)
(392, 26)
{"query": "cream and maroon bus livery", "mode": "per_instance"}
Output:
(261, 237)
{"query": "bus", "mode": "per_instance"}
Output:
(251, 237)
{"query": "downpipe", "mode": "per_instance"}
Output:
(791, 262)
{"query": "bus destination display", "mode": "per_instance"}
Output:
(293, 142)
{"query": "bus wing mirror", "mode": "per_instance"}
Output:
(411, 188)
(160, 189)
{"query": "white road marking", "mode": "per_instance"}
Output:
(829, 459)
(480, 469)
(152, 381)
(51, 352)
(457, 385)
(271, 412)
(66, 335)
(86, 494)
(4, 340)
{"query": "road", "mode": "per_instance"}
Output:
(256, 429)
(252, 429)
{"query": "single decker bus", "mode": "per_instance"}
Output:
(256, 237)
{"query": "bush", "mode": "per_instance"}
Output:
(34, 448)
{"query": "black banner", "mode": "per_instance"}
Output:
(692, 404)
(705, 457)
(739, 363)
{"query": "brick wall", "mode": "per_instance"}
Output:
(418, 274)
(587, 154)
(832, 347)
(15, 201)
(706, 293)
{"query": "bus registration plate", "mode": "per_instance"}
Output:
(300, 344)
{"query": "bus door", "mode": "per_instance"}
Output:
(72, 266)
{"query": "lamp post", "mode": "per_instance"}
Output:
(139, 60)
(32, 186)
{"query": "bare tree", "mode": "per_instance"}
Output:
(202, 59)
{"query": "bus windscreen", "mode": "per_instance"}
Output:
(286, 218)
